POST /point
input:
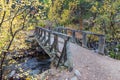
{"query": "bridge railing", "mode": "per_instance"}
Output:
(45, 36)
(82, 37)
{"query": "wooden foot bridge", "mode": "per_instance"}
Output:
(57, 43)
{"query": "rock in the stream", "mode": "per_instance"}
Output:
(77, 73)
(43, 75)
(11, 74)
(34, 72)
(31, 63)
(74, 78)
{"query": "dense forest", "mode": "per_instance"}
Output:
(19, 16)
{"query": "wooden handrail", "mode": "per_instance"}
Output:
(87, 32)
(101, 37)
(62, 32)
(43, 37)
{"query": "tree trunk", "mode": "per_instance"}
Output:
(81, 23)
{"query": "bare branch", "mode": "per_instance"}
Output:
(11, 30)
(3, 18)
(15, 16)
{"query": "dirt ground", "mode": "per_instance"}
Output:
(89, 66)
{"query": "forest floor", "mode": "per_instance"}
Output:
(93, 66)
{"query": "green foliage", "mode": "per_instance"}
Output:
(60, 11)
(107, 13)
(16, 17)
(112, 54)
(118, 46)
(115, 52)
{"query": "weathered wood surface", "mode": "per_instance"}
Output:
(50, 40)
(83, 41)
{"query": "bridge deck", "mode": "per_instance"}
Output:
(94, 66)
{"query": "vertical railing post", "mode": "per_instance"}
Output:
(73, 36)
(49, 38)
(84, 39)
(49, 28)
(101, 44)
(69, 55)
(36, 31)
(61, 30)
(45, 35)
(58, 30)
(56, 42)
(65, 31)
(41, 33)
(66, 57)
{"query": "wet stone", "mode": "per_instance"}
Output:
(74, 78)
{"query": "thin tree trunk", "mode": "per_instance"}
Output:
(2, 19)
(2, 61)
(81, 23)
(81, 17)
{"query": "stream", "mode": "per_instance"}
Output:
(29, 64)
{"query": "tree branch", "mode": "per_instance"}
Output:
(15, 16)
(3, 18)
(11, 30)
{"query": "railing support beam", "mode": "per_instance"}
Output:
(84, 40)
(101, 44)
